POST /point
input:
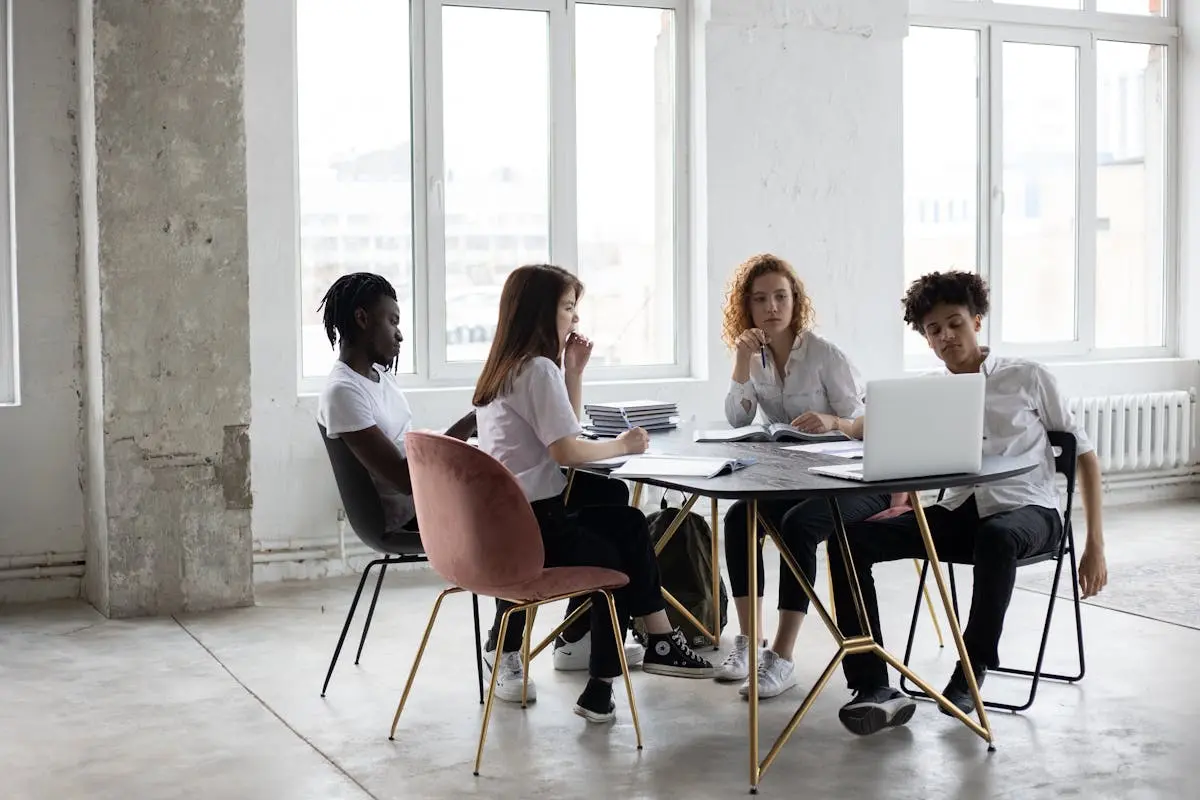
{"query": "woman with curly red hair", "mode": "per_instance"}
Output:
(787, 372)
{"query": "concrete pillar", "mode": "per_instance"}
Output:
(165, 286)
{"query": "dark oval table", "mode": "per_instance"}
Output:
(780, 474)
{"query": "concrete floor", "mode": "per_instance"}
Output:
(225, 705)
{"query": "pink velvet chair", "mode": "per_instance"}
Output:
(480, 534)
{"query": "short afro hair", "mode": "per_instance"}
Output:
(948, 288)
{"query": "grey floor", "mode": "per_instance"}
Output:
(225, 705)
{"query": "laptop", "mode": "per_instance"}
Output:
(917, 428)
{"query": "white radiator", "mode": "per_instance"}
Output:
(1138, 432)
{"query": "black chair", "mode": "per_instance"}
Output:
(1064, 463)
(364, 511)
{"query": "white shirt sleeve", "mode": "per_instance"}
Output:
(843, 386)
(741, 403)
(1054, 411)
(347, 409)
(551, 415)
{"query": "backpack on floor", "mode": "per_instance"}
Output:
(685, 565)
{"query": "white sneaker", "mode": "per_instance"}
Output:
(510, 678)
(775, 676)
(574, 656)
(736, 666)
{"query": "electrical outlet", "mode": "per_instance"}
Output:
(341, 515)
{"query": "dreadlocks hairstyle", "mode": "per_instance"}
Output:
(347, 294)
(950, 288)
(736, 316)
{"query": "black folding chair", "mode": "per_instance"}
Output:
(1064, 463)
(364, 511)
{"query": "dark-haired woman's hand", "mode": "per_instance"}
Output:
(577, 353)
(636, 440)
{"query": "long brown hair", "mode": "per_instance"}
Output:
(737, 316)
(527, 326)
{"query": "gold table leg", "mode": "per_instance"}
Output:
(752, 544)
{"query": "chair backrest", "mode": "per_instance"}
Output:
(477, 527)
(1064, 464)
(360, 497)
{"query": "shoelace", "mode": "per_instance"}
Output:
(682, 644)
(736, 656)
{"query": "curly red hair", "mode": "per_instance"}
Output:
(737, 317)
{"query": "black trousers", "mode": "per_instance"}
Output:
(803, 526)
(993, 545)
(597, 528)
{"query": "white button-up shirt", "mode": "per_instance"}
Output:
(817, 377)
(1021, 403)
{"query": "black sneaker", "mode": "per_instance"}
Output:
(957, 691)
(596, 702)
(872, 710)
(670, 654)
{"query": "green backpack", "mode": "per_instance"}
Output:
(685, 565)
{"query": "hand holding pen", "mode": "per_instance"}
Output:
(753, 340)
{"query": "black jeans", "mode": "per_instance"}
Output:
(993, 545)
(803, 526)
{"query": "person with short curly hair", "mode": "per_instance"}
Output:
(991, 526)
(790, 374)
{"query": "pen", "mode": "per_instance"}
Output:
(625, 417)
(763, 352)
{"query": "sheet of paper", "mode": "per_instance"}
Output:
(727, 434)
(671, 467)
(851, 449)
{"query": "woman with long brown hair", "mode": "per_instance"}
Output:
(528, 400)
(787, 372)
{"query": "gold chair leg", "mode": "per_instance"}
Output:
(491, 695)
(755, 638)
(829, 578)
(437, 605)
(612, 615)
(570, 484)
(637, 495)
(716, 578)
(929, 604)
(530, 615)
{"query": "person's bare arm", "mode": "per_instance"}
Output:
(572, 452)
(381, 456)
(464, 429)
(1093, 569)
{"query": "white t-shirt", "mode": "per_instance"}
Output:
(349, 402)
(518, 427)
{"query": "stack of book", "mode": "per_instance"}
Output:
(611, 419)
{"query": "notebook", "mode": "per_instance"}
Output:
(768, 432)
(652, 466)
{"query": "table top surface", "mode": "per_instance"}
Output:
(780, 474)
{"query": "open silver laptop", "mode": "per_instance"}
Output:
(919, 427)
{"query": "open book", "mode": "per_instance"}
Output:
(768, 432)
(652, 466)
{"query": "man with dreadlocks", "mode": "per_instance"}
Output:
(362, 404)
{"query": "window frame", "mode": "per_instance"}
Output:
(10, 350)
(431, 367)
(996, 23)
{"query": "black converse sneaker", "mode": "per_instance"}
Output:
(596, 702)
(670, 654)
(872, 710)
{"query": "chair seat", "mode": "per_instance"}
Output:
(556, 582)
(400, 543)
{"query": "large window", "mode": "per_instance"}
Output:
(535, 131)
(1037, 149)
(9, 370)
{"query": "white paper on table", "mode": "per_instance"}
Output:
(852, 449)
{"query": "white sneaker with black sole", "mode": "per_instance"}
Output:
(775, 676)
(510, 677)
(872, 710)
(575, 656)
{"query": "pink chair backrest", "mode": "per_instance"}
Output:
(476, 525)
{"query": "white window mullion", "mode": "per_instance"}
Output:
(1087, 198)
(682, 176)
(992, 148)
(10, 379)
(564, 199)
(431, 312)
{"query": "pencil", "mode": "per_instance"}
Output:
(763, 352)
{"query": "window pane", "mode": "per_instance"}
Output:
(355, 158)
(625, 100)
(941, 155)
(1130, 262)
(496, 121)
(1146, 8)
(1075, 4)
(1039, 181)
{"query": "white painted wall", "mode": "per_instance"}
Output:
(41, 504)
